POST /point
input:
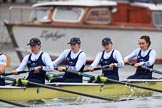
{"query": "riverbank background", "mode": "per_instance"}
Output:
(6, 45)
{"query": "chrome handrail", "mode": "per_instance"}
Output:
(22, 11)
(21, 8)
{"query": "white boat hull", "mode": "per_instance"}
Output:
(54, 39)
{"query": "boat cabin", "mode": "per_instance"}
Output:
(91, 20)
(101, 13)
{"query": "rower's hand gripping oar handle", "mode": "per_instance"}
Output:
(98, 68)
(128, 63)
(87, 70)
(56, 68)
(19, 72)
(142, 67)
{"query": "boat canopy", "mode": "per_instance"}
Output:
(90, 3)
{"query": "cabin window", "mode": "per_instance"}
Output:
(40, 14)
(67, 14)
(98, 16)
(157, 18)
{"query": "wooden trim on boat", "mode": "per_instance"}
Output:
(94, 26)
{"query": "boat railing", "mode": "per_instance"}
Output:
(24, 14)
(19, 13)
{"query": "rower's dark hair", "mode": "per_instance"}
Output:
(147, 39)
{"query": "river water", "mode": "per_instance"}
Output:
(153, 101)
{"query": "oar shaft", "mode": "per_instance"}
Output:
(20, 72)
(14, 103)
(97, 68)
(87, 70)
(69, 91)
(58, 75)
(152, 70)
(134, 85)
(156, 71)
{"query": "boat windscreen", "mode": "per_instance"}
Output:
(157, 18)
(67, 14)
(40, 14)
(98, 16)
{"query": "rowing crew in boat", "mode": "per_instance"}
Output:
(39, 62)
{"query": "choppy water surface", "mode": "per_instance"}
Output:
(154, 101)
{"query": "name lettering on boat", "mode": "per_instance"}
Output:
(51, 35)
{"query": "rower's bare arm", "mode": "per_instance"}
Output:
(14, 72)
(2, 68)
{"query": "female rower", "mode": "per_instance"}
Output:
(38, 62)
(110, 57)
(145, 57)
(75, 60)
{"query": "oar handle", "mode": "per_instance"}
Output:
(131, 64)
(146, 68)
(55, 68)
(19, 72)
(142, 67)
(98, 68)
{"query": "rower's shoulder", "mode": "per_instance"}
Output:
(82, 52)
(116, 51)
(67, 50)
(152, 50)
(3, 56)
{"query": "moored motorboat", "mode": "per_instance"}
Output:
(91, 20)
